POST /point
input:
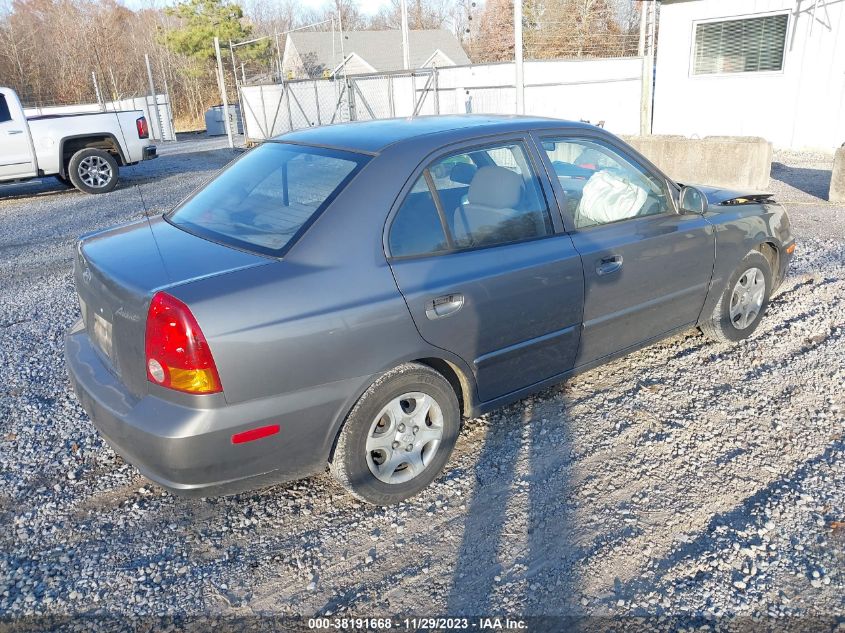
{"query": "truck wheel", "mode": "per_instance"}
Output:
(743, 302)
(93, 171)
(398, 436)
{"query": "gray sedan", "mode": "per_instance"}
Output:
(345, 295)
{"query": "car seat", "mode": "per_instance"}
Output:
(493, 210)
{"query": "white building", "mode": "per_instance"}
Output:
(770, 68)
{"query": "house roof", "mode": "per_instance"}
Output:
(380, 49)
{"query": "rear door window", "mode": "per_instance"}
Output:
(265, 200)
(5, 114)
(491, 196)
(481, 197)
(417, 229)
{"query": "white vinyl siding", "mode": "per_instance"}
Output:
(746, 45)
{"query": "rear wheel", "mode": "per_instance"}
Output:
(743, 302)
(93, 171)
(398, 436)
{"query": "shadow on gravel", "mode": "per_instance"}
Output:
(494, 520)
(42, 188)
(210, 160)
(737, 519)
(815, 182)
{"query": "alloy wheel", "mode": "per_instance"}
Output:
(95, 171)
(747, 298)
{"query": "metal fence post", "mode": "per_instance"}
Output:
(100, 99)
(287, 104)
(390, 96)
(413, 93)
(317, 102)
(436, 93)
(222, 79)
(350, 98)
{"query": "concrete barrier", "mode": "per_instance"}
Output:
(837, 178)
(733, 162)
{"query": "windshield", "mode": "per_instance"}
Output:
(264, 200)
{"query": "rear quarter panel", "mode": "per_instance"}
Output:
(328, 312)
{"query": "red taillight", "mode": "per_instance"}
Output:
(177, 354)
(143, 129)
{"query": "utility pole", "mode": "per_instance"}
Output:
(652, 30)
(406, 55)
(641, 46)
(222, 79)
(517, 37)
(648, 19)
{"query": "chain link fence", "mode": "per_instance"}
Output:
(595, 90)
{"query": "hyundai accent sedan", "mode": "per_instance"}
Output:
(345, 295)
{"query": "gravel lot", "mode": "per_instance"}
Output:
(689, 481)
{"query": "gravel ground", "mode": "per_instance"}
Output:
(690, 482)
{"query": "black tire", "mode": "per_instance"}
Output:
(350, 463)
(79, 171)
(64, 181)
(720, 326)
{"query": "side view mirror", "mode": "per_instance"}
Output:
(692, 200)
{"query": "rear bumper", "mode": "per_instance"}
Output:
(188, 449)
(150, 152)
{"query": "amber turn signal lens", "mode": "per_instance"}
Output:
(790, 249)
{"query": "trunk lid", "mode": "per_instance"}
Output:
(116, 273)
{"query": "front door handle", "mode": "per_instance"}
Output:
(11, 132)
(609, 265)
(444, 306)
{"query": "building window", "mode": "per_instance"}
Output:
(748, 45)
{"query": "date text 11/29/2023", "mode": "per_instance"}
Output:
(418, 623)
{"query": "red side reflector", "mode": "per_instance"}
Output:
(255, 434)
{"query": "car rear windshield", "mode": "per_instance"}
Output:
(267, 198)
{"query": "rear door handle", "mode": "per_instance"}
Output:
(444, 306)
(11, 132)
(609, 265)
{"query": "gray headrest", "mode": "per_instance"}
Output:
(463, 173)
(495, 187)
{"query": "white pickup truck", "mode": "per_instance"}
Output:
(83, 150)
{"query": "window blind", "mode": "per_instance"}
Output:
(748, 45)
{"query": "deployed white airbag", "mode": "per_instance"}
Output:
(608, 197)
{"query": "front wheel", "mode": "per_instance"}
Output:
(93, 171)
(398, 436)
(743, 302)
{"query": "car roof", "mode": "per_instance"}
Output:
(374, 136)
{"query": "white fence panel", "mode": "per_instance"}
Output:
(594, 90)
(262, 111)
